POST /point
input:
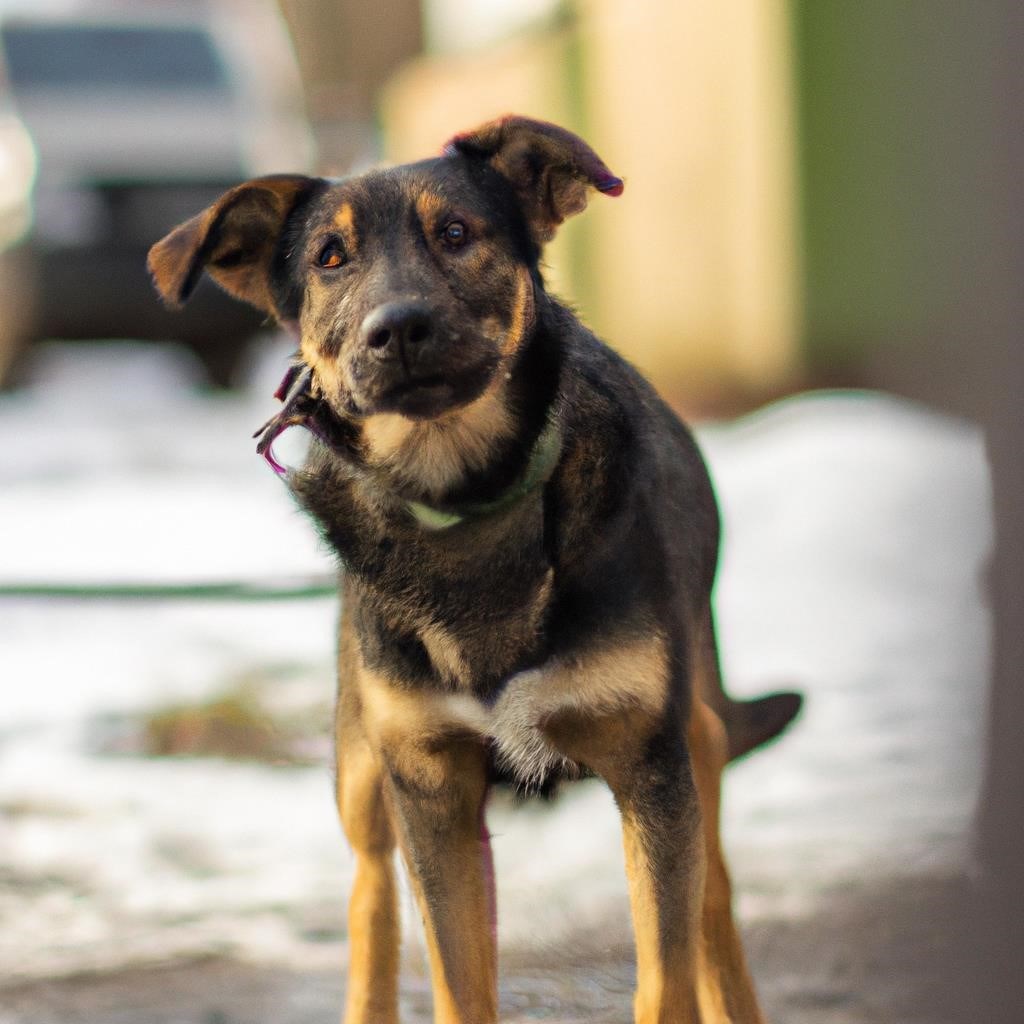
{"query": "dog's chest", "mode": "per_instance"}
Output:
(464, 607)
(511, 723)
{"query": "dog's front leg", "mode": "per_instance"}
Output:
(438, 793)
(645, 763)
(437, 783)
(374, 929)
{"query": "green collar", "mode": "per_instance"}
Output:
(543, 459)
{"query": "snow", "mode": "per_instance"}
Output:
(856, 533)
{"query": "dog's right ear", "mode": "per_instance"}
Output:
(551, 169)
(233, 240)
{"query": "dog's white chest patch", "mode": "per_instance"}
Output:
(512, 723)
(600, 683)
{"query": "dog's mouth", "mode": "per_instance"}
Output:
(412, 384)
(419, 397)
(423, 396)
(304, 406)
(427, 395)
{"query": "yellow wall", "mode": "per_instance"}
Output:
(432, 99)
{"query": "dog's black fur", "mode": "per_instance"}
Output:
(504, 492)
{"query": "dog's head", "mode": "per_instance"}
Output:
(412, 289)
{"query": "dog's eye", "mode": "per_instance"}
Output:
(331, 256)
(455, 234)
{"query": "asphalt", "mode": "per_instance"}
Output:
(872, 954)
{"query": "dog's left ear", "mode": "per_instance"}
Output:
(233, 240)
(550, 168)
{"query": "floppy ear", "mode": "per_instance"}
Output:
(550, 168)
(234, 240)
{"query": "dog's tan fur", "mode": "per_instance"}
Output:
(459, 663)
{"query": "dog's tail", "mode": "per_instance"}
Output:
(750, 724)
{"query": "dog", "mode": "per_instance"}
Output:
(528, 540)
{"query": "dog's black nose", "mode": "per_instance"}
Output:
(395, 327)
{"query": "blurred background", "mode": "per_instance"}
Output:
(817, 259)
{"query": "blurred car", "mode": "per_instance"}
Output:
(140, 119)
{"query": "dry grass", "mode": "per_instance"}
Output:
(239, 723)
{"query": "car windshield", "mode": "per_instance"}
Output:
(110, 57)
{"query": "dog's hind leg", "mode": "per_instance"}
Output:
(373, 917)
(726, 991)
(751, 723)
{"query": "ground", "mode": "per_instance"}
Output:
(874, 956)
(169, 849)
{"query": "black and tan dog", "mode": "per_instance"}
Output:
(528, 539)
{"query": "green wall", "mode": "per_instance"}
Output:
(896, 127)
